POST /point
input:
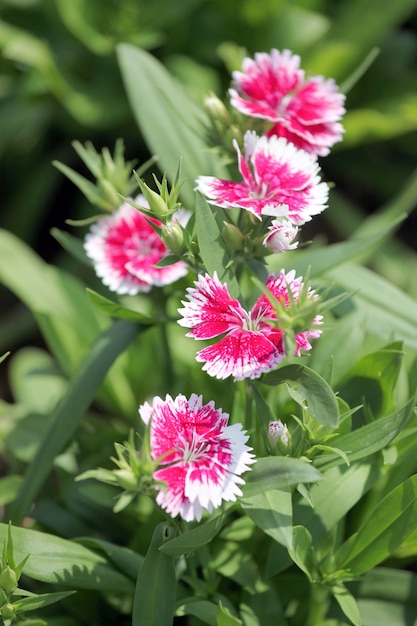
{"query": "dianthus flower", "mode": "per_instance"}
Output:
(125, 248)
(200, 457)
(278, 180)
(306, 112)
(253, 343)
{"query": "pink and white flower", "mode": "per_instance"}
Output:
(305, 111)
(278, 180)
(280, 236)
(201, 458)
(252, 343)
(125, 248)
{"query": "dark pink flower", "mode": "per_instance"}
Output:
(278, 180)
(306, 112)
(200, 457)
(252, 343)
(125, 249)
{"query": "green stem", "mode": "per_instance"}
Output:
(319, 602)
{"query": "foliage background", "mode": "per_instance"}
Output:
(60, 81)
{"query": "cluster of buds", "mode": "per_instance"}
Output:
(113, 175)
(133, 473)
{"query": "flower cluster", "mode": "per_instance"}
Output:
(197, 458)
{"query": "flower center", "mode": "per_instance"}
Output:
(194, 449)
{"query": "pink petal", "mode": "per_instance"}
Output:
(241, 354)
(200, 457)
(307, 113)
(124, 249)
(210, 311)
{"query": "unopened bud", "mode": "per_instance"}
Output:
(7, 610)
(8, 580)
(126, 479)
(157, 205)
(216, 108)
(173, 237)
(279, 431)
(280, 236)
(232, 236)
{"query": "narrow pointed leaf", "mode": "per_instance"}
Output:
(56, 560)
(39, 601)
(392, 521)
(171, 123)
(154, 600)
(70, 410)
(118, 311)
(195, 538)
(212, 250)
(370, 438)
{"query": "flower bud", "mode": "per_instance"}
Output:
(232, 236)
(217, 109)
(126, 479)
(279, 431)
(157, 205)
(173, 236)
(7, 610)
(8, 580)
(281, 236)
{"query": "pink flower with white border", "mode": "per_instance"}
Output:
(200, 457)
(125, 248)
(252, 343)
(278, 180)
(280, 236)
(305, 111)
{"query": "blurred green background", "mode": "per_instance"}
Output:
(60, 81)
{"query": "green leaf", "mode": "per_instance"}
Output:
(272, 512)
(195, 538)
(154, 600)
(56, 560)
(391, 523)
(336, 494)
(275, 472)
(73, 245)
(35, 381)
(88, 188)
(370, 438)
(225, 617)
(202, 609)
(212, 251)
(68, 322)
(71, 409)
(301, 551)
(39, 601)
(372, 380)
(171, 123)
(127, 561)
(9, 487)
(309, 390)
(321, 260)
(116, 310)
(387, 311)
(347, 603)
